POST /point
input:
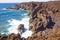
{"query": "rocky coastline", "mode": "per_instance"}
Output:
(44, 21)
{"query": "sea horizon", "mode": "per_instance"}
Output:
(7, 5)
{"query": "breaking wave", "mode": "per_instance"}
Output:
(11, 19)
(14, 27)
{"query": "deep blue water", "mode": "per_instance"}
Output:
(6, 15)
(6, 5)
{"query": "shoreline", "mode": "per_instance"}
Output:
(44, 20)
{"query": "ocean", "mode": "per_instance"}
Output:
(6, 5)
(11, 19)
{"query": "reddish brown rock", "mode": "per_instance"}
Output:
(14, 37)
(3, 37)
(44, 20)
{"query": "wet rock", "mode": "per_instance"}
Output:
(11, 36)
(16, 6)
(44, 20)
(14, 37)
(21, 28)
(3, 37)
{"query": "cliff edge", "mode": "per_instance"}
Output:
(44, 20)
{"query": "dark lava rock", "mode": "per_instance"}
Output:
(14, 37)
(44, 20)
(3, 37)
(21, 28)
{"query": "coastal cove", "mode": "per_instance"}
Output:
(41, 23)
(11, 19)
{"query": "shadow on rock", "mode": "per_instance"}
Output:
(50, 23)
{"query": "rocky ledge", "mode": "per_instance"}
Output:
(44, 20)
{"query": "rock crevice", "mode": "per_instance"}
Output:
(44, 20)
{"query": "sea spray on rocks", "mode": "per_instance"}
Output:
(14, 27)
(12, 19)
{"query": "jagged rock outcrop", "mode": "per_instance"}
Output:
(3, 37)
(14, 37)
(21, 28)
(44, 20)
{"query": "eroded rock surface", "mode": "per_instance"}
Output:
(44, 20)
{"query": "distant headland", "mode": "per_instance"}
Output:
(44, 20)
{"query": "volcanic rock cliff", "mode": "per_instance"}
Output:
(44, 20)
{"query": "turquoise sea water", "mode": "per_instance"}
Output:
(6, 15)
(11, 19)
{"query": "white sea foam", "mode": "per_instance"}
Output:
(26, 34)
(2, 33)
(25, 14)
(4, 9)
(14, 26)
